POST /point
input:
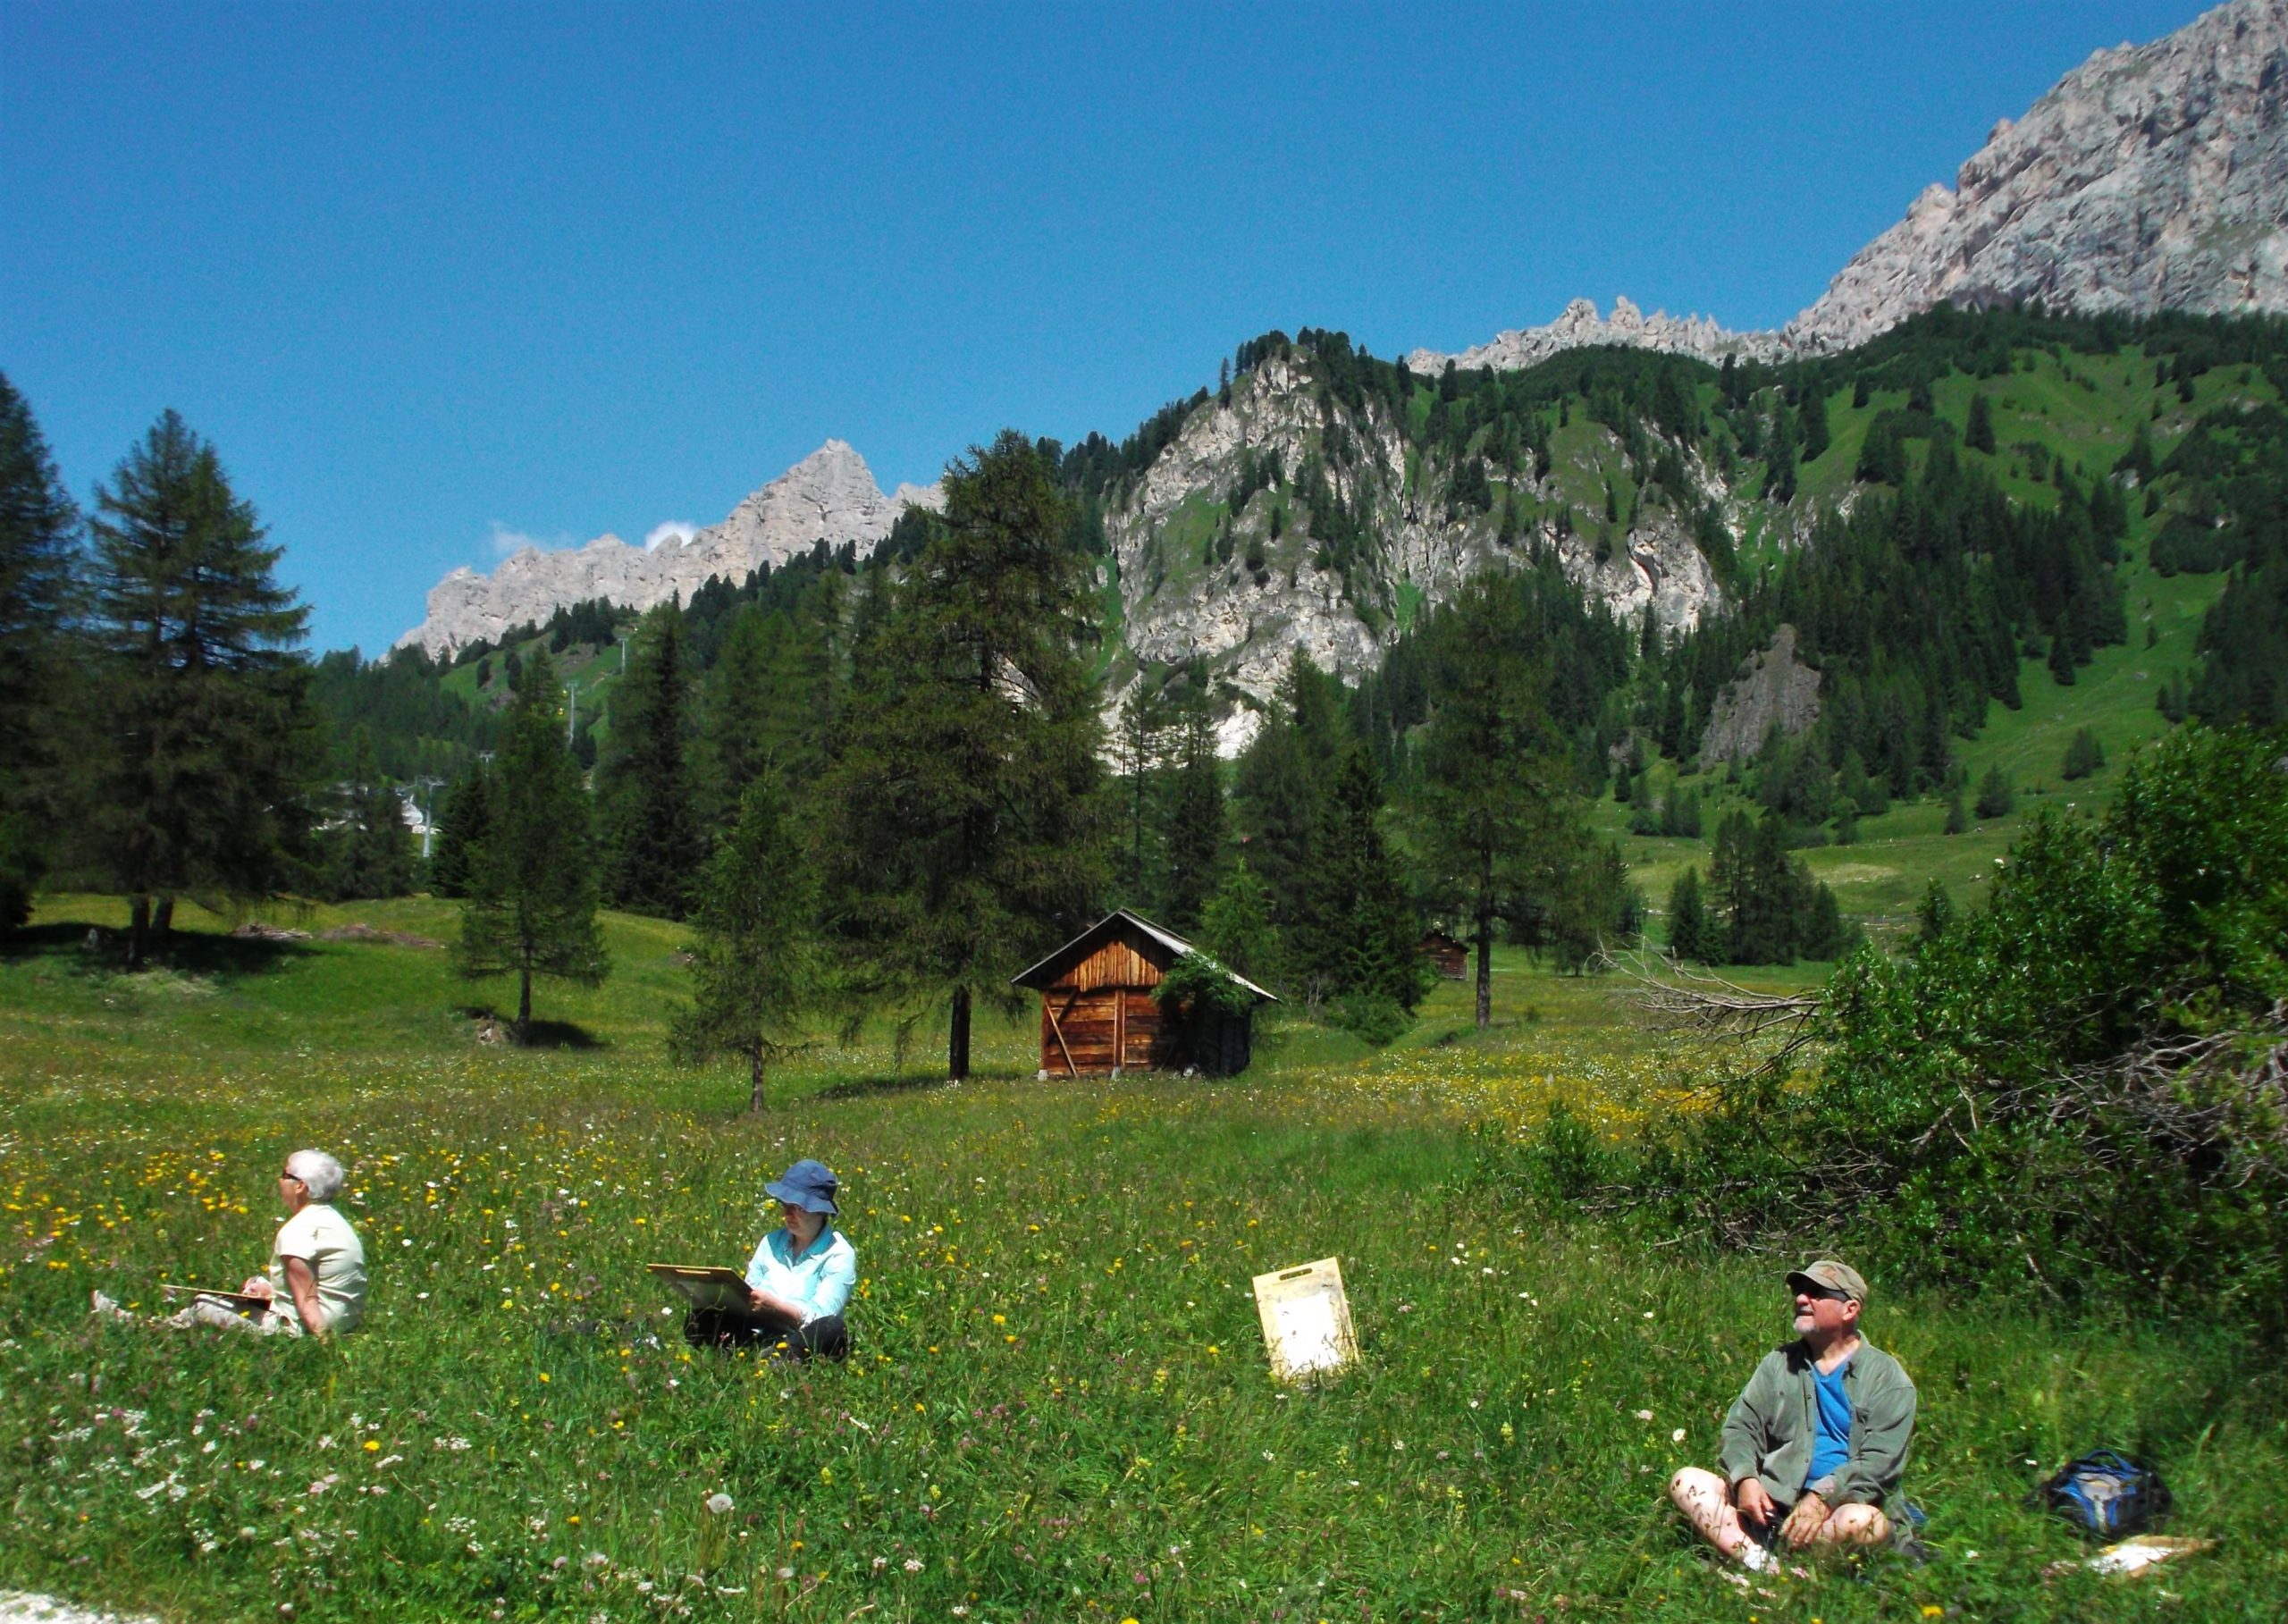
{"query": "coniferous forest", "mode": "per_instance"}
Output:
(1929, 575)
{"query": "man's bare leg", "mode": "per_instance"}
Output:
(1706, 1505)
(1854, 1526)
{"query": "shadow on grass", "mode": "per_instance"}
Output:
(84, 949)
(868, 1088)
(539, 1034)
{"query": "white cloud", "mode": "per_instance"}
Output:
(670, 530)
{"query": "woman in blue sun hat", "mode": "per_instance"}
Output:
(798, 1281)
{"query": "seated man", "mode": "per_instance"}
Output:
(317, 1283)
(1816, 1444)
(799, 1280)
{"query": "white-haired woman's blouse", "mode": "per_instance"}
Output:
(321, 1238)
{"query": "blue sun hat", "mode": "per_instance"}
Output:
(807, 1184)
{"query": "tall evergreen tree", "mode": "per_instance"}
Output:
(756, 969)
(532, 903)
(966, 830)
(38, 601)
(205, 769)
(1491, 794)
(1284, 783)
(651, 839)
(1139, 745)
(1355, 942)
(463, 824)
(1980, 435)
(1236, 925)
(1195, 816)
(1689, 930)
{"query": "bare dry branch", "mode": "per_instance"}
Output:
(1688, 998)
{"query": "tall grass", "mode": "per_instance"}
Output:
(1058, 1406)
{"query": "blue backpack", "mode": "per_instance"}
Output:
(2106, 1493)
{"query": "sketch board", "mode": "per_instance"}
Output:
(240, 1303)
(701, 1285)
(1306, 1321)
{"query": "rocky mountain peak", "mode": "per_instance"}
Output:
(1581, 324)
(829, 496)
(2151, 178)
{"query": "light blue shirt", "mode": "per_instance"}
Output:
(821, 1279)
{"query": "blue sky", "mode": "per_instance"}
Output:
(434, 277)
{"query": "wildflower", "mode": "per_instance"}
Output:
(718, 1502)
(1643, 1415)
(1677, 1436)
(914, 1564)
(372, 1446)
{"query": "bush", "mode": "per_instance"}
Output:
(2077, 1086)
(2084, 755)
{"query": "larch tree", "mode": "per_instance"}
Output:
(204, 764)
(531, 908)
(965, 823)
(756, 968)
(38, 603)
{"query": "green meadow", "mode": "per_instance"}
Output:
(1058, 1406)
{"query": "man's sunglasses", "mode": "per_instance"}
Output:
(1828, 1293)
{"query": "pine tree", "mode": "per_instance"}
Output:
(1957, 815)
(1139, 744)
(756, 968)
(966, 831)
(1490, 813)
(651, 839)
(1355, 943)
(203, 776)
(531, 908)
(462, 825)
(1994, 797)
(1815, 426)
(1283, 784)
(38, 603)
(1196, 822)
(2083, 755)
(1688, 931)
(1236, 926)
(1980, 435)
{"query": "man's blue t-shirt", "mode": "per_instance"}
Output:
(1831, 1447)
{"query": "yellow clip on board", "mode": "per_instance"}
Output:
(1306, 1321)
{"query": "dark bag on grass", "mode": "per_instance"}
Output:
(2106, 1493)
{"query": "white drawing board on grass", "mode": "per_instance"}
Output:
(1306, 1321)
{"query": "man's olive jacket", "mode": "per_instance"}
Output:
(1769, 1432)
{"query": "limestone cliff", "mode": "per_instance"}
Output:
(1203, 577)
(2150, 178)
(829, 496)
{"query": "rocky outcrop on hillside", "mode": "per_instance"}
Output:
(1627, 326)
(1184, 556)
(1773, 688)
(2152, 178)
(829, 496)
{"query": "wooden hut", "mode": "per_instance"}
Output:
(1446, 956)
(1099, 1016)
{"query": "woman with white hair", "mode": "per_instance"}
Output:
(316, 1282)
